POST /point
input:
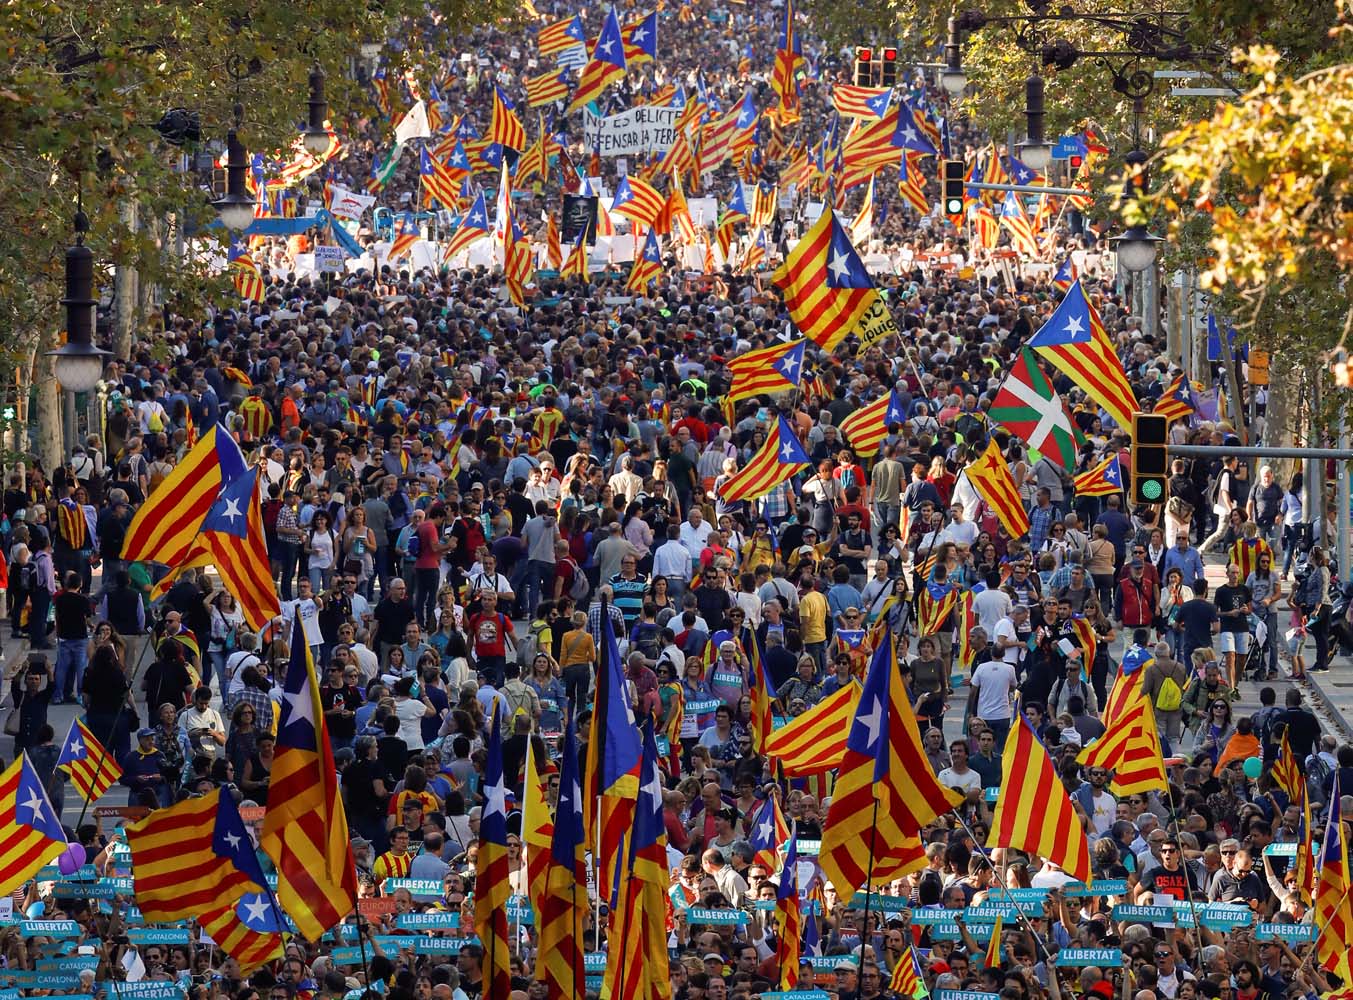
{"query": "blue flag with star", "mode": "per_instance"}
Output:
(790, 364)
(790, 451)
(231, 841)
(610, 48)
(230, 513)
(909, 135)
(869, 730)
(1019, 171)
(844, 267)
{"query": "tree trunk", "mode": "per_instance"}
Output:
(128, 308)
(49, 445)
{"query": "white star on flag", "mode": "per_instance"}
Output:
(35, 804)
(232, 509)
(1074, 327)
(255, 908)
(838, 265)
(766, 829)
(233, 839)
(76, 748)
(495, 799)
(786, 451)
(873, 722)
(638, 35)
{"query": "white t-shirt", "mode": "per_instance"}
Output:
(967, 781)
(309, 611)
(322, 550)
(1105, 810)
(990, 606)
(994, 681)
(410, 712)
(961, 534)
(1005, 629)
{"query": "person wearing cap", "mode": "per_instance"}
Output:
(143, 771)
(1136, 597)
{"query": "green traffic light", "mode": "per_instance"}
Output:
(1151, 489)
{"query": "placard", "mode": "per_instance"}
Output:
(705, 915)
(329, 258)
(701, 707)
(580, 212)
(876, 323)
(965, 995)
(427, 921)
(1144, 914)
(157, 935)
(143, 990)
(649, 128)
(50, 928)
(417, 886)
(1104, 887)
(254, 814)
(1079, 958)
(377, 906)
(1295, 933)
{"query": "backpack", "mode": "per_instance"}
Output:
(579, 588)
(1169, 697)
(528, 645)
(646, 639)
(28, 576)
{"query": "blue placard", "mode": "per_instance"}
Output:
(1144, 914)
(416, 886)
(705, 706)
(965, 995)
(158, 935)
(51, 873)
(144, 990)
(594, 961)
(722, 678)
(927, 917)
(440, 945)
(592, 983)
(879, 902)
(991, 794)
(1298, 933)
(1281, 850)
(31, 979)
(797, 995)
(1076, 958)
(10, 994)
(346, 955)
(809, 848)
(1024, 897)
(1224, 916)
(71, 963)
(50, 928)
(1103, 887)
(989, 913)
(705, 915)
(427, 921)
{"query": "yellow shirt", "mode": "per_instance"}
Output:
(813, 613)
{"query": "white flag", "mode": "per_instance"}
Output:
(414, 125)
(135, 968)
(349, 204)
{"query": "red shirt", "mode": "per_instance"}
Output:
(488, 632)
(699, 432)
(428, 557)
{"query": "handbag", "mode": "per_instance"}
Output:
(14, 719)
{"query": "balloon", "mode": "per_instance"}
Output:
(36, 910)
(67, 863)
(77, 853)
(1254, 767)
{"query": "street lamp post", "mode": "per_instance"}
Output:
(316, 136)
(78, 363)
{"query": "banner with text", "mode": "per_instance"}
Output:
(646, 129)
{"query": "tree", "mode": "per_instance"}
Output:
(86, 84)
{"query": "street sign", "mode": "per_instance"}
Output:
(1068, 146)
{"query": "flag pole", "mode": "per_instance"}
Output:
(868, 888)
(1019, 910)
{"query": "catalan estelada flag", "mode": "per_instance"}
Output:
(779, 458)
(638, 201)
(824, 283)
(812, 743)
(537, 832)
(167, 523)
(491, 881)
(1130, 748)
(640, 918)
(907, 980)
(1066, 274)
(548, 87)
(1287, 771)
(92, 769)
(762, 693)
(1245, 553)
(250, 931)
(194, 857)
(784, 78)
(766, 833)
(1333, 905)
(1176, 401)
(1073, 340)
(934, 603)
(561, 35)
(1033, 813)
(647, 267)
(1016, 222)
(770, 370)
(231, 538)
(438, 184)
(866, 428)
(30, 830)
(851, 101)
(1102, 480)
(244, 272)
(885, 790)
(474, 226)
(614, 753)
(505, 129)
(305, 830)
(575, 266)
(561, 931)
(606, 65)
(788, 917)
(990, 477)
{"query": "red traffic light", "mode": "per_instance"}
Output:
(1075, 161)
(890, 55)
(864, 55)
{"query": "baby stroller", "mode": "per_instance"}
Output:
(1257, 659)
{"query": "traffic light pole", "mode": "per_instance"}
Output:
(1257, 451)
(1024, 188)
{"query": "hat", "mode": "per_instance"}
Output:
(1071, 737)
(145, 731)
(1136, 564)
(845, 965)
(713, 956)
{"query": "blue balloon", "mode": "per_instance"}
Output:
(36, 911)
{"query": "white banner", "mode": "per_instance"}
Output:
(646, 129)
(349, 204)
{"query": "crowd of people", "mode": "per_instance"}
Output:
(458, 494)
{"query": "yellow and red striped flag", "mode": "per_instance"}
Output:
(30, 830)
(305, 830)
(1103, 480)
(576, 264)
(1287, 771)
(992, 958)
(1245, 553)
(554, 252)
(561, 35)
(780, 457)
(907, 980)
(825, 285)
(1130, 748)
(537, 832)
(1176, 401)
(813, 742)
(638, 201)
(546, 88)
(885, 791)
(606, 65)
(866, 428)
(92, 769)
(788, 917)
(991, 478)
(505, 129)
(1333, 904)
(769, 369)
(491, 883)
(560, 964)
(647, 267)
(1034, 814)
(934, 603)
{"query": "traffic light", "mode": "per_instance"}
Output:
(864, 66)
(1150, 458)
(953, 187)
(1074, 162)
(889, 77)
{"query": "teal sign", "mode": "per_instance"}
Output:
(965, 995)
(705, 915)
(427, 921)
(594, 961)
(417, 886)
(1104, 887)
(1076, 958)
(1224, 916)
(50, 928)
(1296, 933)
(142, 991)
(157, 935)
(705, 706)
(989, 913)
(1144, 914)
(346, 956)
